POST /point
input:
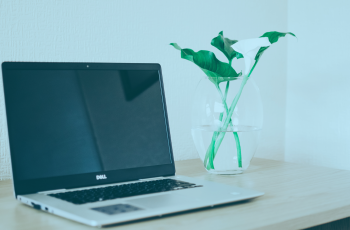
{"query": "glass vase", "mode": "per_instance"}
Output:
(227, 150)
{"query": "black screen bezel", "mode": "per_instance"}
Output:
(22, 187)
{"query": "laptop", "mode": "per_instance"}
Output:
(91, 142)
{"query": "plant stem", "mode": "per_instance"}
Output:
(235, 134)
(229, 114)
(209, 154)
(232, 108)
(238, 145)
(226, 90)
(210, 151)
(218, 136)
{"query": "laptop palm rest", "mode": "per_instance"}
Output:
(161, 201)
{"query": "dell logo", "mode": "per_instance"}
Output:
(100, 177)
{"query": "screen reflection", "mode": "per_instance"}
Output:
(64, 122)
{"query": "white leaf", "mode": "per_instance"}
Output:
(249, 48)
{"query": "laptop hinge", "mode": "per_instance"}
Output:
(152, 178)
(54, 191)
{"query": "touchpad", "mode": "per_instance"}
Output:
(165, 200)
(116, 209)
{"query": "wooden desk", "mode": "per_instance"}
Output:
(297, 197)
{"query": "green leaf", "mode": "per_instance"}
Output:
(273, 37)
(260, 52)
(239, 55)
(224, 45)
(216, 70)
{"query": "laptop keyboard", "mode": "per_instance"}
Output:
(122, 191)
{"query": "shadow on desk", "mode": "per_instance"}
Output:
(343, 224)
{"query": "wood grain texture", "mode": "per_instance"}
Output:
(297, 197)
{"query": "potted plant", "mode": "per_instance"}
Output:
(227, 110)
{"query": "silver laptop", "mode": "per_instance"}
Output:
(91, 142)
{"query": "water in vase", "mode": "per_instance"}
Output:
(226, 159)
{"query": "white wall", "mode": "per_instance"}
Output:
(140, 31)
(318, 93)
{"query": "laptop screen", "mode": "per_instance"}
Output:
(67, 122)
